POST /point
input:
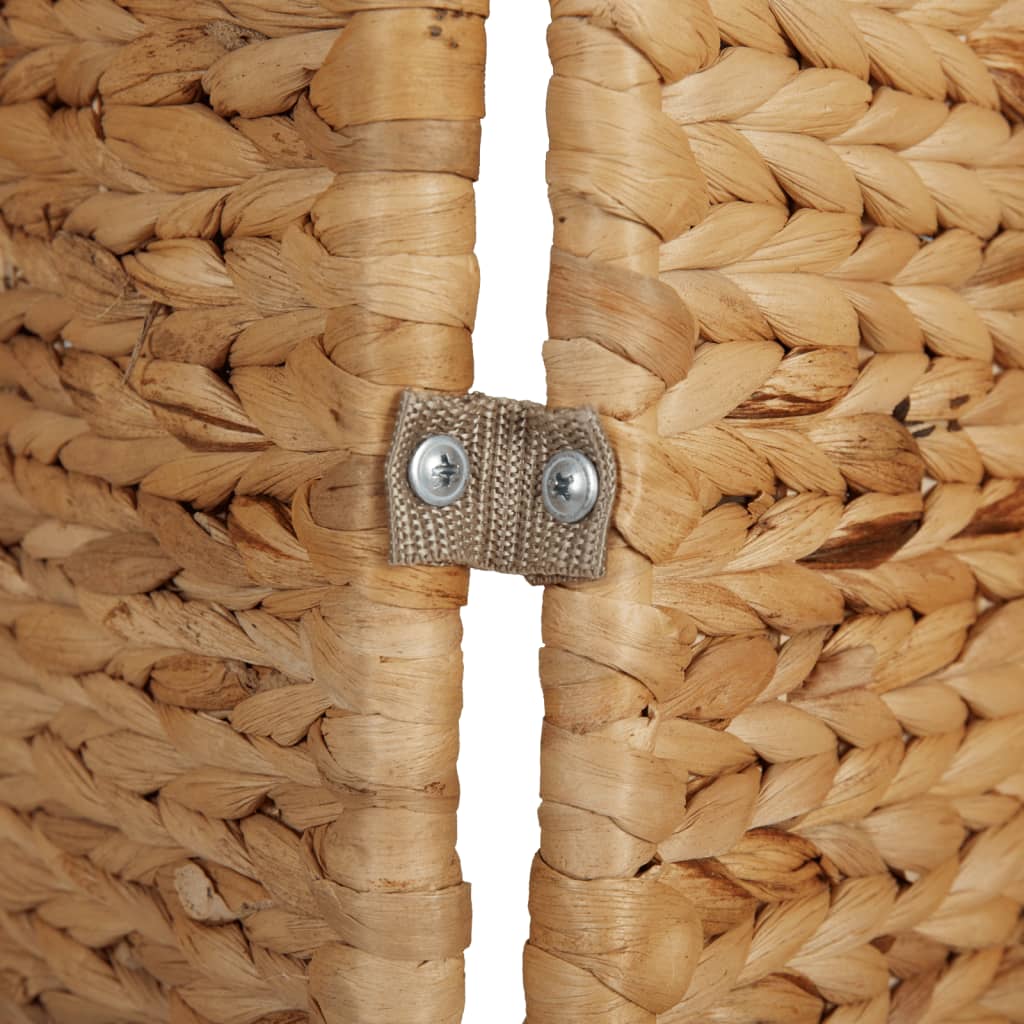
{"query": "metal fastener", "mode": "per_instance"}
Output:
(569, 486)
(439, 470)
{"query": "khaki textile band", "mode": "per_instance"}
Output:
(500, 523)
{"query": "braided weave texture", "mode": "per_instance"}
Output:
(232, 233)
(783, 758)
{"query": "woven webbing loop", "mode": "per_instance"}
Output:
(500, 522)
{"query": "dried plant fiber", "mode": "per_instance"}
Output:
(783, 757)
(783, 760)
(232, 233)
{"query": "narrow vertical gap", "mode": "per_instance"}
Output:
(499, 761)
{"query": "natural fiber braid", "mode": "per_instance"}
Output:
(201, 605)
(610, 939)
(110, 757)
(858, 514)
(401, 292)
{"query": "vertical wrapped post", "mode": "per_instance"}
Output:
(612, 938)
(395, 111)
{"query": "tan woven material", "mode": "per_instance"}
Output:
(783, 759)
(231, 234)
(500, 523)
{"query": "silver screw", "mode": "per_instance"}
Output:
(569, 486)
(439, 470)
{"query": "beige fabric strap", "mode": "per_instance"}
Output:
(500, 522)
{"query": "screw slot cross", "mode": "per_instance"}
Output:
(444, 474)
(562, 486)
(570, 486)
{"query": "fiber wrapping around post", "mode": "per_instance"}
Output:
(781, 763)
(612, 935)
(231, 234)
(390, 252)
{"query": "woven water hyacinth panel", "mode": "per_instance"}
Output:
(231, 234)
(784, 749)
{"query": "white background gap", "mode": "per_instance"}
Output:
(501, 722)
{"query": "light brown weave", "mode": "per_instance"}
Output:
(232, 232)
(784, 751)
